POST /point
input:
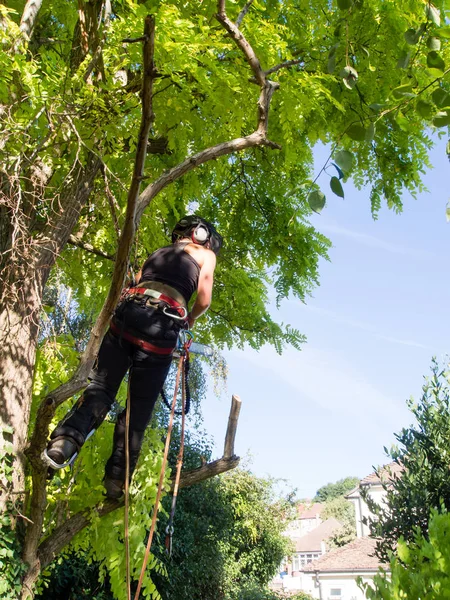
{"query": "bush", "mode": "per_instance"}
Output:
(420, 569)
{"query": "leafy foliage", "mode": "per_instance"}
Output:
(334, 490)
(344, 511)
(227, 542)
(424, 484)
(69, 102)
(420, 569)
(11, 566)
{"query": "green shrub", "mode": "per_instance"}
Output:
(420, 570)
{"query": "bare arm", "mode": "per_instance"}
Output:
(204, 288)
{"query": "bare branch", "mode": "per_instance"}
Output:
(134, 40)
(236, 145)
(242, 43)
(228, 450)
(76, 241)
(243, 12)
(284, 65)
(29, 16)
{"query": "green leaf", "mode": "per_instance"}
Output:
(403, 61)
(425, 109)
(435, 61)
(442, 119)
(344, 4)
(434, 43)
(8, 429)
(316, 201)
(447, 212)
(377, 107)
(412, 36)
(344, 159)
(444, 32)
(331, 65)
(441, 98)
(403, 91)
(433, 14)
(370, 133)
(356, 132)
(336, 187)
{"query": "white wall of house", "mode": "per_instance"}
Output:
(377, 494)
(304, 582)
(340, 586)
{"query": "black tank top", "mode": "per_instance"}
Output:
(175, 267)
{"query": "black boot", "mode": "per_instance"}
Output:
(114, 488)
(60, 450)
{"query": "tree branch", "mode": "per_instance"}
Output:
(241, 42)
(284, 65)
(243, 12)
(29, 17)
(75, 241)
(63, 534)
(50, 403)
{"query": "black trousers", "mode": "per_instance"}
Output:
(147, 373)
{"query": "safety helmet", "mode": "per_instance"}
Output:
(199, 230)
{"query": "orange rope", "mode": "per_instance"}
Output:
(161, 478)
(127, 486)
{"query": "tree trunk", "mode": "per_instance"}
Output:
(22, 288)
(18, 338)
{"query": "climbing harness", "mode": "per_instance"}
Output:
(147, 292)
(147, 346)
(180, 369)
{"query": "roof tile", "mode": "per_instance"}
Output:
(358, 555)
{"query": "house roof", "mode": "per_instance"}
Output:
(382, 475)
(311, 542)
(309, 511)
(355, 556)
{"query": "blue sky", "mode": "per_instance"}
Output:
(373, 325)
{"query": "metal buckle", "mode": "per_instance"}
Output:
(172, 316)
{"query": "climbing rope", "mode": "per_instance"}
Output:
(127, 488)
(180, 372)
(184, 403)
(187, 392)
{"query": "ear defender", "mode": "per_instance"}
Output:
(201, 234)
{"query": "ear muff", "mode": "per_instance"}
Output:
(200, 234)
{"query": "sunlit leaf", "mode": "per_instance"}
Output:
(435, 61)
(425, 109)
(336, 187)
(433, 14)
(434, 43)
(316, 201)
(356, 132)
(402, 91)
(344, 159)
(442, 119)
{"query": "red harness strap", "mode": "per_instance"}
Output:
(147, 346)
(158, 296)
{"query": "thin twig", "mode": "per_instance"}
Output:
(243, 12)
